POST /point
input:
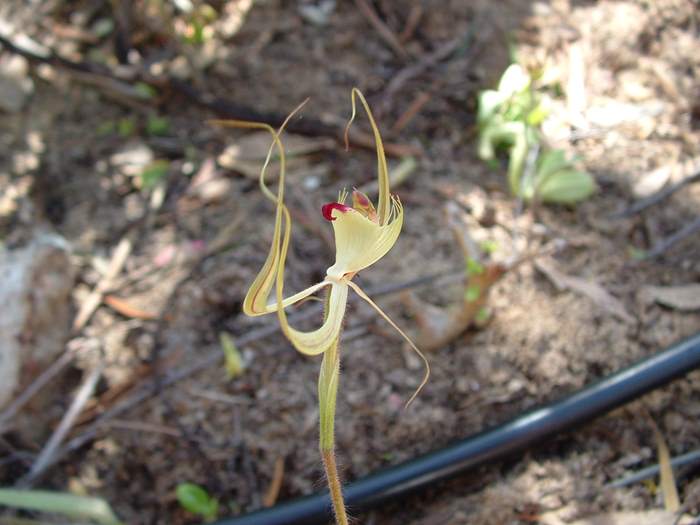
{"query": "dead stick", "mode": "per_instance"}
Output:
(273, 490)
(46, 456)
(657, 197)
(40, 382)
(665, 244)
(414, 16)
(93, 301)
(413, 70)
(381, 28)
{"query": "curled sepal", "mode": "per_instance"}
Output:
(384, 201)
(359, 241)
(255, 302)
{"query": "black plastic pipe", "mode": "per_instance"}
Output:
(501, 442)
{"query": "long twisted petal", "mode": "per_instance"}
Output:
(384, 204)
(374, 305)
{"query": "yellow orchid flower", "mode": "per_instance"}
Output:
(363, 235)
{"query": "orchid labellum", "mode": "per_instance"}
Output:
(363, 235)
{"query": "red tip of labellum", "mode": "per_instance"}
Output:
(327, 210)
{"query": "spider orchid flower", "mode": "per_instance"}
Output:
(363, 235)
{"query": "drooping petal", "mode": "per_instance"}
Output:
(255, 302)
(374, 305)
(361, 242)
(384, 201)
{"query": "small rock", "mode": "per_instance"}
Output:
(35, 286)
(16, 87)
(132, 158)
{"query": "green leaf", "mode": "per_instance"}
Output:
(196, 500)
(153, 173)
(567, 187)
(82, 507)
(482, 316)
(158, 126)
(103, 27)
(537, 115)
(550, 162)
(488, 246)
(637, 254)
(145, 90)
(126, 127)
(473, 293)
(474, 267)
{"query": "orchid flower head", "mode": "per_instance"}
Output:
(363, 235)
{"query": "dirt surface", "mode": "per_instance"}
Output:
(71, 159)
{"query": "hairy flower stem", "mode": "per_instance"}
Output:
(327, 390)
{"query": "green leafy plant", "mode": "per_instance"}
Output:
(509, 118)
(197, 500)
(95, 510)
(153, 173)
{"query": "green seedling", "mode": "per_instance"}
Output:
(363, 235)
(126, 127)
(157, 126)
(509, 118)
(233, 359)
(199, 19)
(197, 500)
(145, 91)
(153, 174)
(94, 510)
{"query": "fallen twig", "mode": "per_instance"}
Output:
(426, 62)
(40, 382)
(412, 20)
(420, 100)
(143, 426)
(662, 194)
(46, 456)
(590, 288)
(273, 490)
(93, 301)
(690, 458)
(664, 245)
(381, 28)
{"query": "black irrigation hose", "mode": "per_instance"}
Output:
(524, 431)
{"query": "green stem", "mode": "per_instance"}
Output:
(327, 390)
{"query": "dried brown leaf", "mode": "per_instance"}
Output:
(591, 289)
(685, 297)
(672, 502)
